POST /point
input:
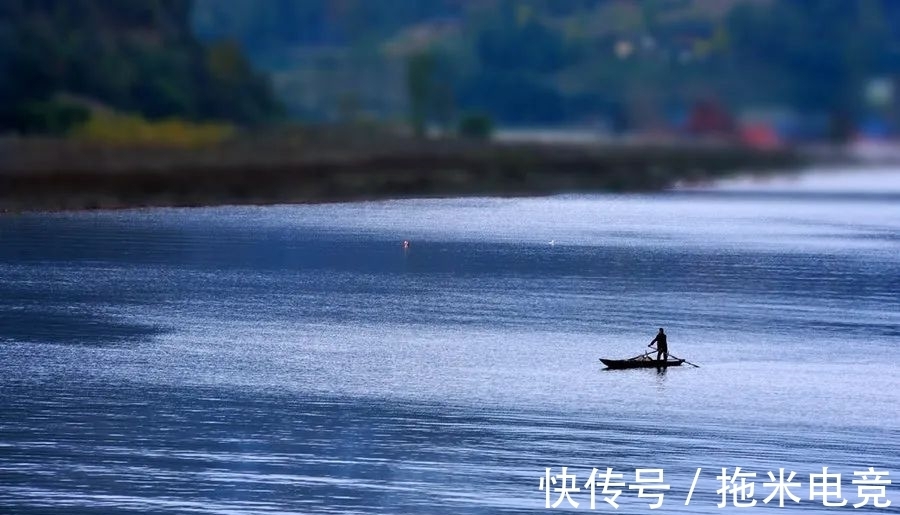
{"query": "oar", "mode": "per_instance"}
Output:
(676, 357)
(686, 361)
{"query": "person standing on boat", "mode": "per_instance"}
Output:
(662, 347)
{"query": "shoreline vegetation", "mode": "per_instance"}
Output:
(200, 103)
(61, 175)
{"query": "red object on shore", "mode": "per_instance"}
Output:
(708, 118)
(760, 136)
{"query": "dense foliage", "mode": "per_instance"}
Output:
(59, 58)
(546, 61)
(620, 62)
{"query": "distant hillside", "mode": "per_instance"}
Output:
(615, 62)
(133, 56)
(523, 61)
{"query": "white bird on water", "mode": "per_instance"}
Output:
(552, 242)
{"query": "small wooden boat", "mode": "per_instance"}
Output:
(643, 361)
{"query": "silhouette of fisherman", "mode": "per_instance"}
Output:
(662, 347)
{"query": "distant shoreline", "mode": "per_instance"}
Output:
(60, 175)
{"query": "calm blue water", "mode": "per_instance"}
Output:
(297, 360)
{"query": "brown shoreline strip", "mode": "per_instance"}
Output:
(64, 175)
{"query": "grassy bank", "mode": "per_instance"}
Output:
(45, 174)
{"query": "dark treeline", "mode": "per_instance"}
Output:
(629, 64)
(60, 57)
(562, 61)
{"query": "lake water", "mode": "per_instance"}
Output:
(296, 359)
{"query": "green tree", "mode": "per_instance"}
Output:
(420, 84)
(132, 56)
(476, 126)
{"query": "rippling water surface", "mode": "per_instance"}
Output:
(297, 360)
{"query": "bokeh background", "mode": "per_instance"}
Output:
(762, 72)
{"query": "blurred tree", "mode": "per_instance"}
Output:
(232, 90)
(53, 117)
(431, 90)
(826, 48)
(134, 56)
(420, 83)
(552, 61)
(509, 40)
(476, 126)
(264, 28)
